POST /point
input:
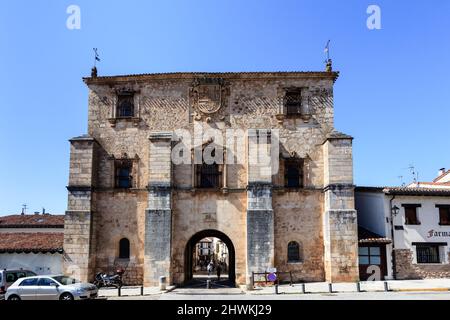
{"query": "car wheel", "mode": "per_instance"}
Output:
(66, 297)
(14, 298)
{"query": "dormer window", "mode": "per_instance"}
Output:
(293, 102)
(125, 105)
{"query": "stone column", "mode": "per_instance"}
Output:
(79, 240)
(260, 219)
(339, 218)
(158, 216)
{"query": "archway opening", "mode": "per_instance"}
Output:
(206, 250)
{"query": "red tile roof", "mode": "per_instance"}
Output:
(32, 221)
(441, 176)
(31, 242)
(367, 236)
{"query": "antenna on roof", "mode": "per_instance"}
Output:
(401, 181)
(414, 173)
(24, 208)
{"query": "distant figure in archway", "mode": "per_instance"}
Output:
(219, 270)
(210, 268)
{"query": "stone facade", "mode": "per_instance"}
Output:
(406, 269)
(163, 209)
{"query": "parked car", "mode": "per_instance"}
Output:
(8, 277)
(58, 287)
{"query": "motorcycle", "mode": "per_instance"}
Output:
(104, 280)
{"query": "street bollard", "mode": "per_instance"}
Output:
(142, 290)
(330, 287)
(250, 283)
(162, 283)
(276, 289)
(208, 284)
(386, 288)
(303, 288)
(119, 293)
(358, 286)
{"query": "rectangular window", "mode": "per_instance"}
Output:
(208, 176)
(427, 253)
(369, 255)
(293, 173)
(123, 176)
(411, 214)
(293, 102)
(444, 214)
(125, 105)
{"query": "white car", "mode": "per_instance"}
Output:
(57, 287)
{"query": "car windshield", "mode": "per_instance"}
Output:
(65, 280)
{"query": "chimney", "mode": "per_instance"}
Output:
(43, 210)
(441, 171)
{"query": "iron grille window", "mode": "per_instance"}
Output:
(124, 248)
(125, 105)
(123, 175)
(444, 215)
(411, 214)
(293, 102)
(293, 174)
(293, 252)
(427, 254)
(208, 176)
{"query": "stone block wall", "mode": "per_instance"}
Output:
(405, 269)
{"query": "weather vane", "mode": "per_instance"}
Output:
(328, 60)
(96, 58)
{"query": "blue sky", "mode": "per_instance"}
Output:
(393, 93)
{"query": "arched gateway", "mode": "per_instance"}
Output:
(190, 246)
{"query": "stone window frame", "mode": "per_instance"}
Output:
(300, 252)
(136, 118)
(222, 169)
(304, 108)
(411, 206)
(134, 163)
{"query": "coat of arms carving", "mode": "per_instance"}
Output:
(207, 95)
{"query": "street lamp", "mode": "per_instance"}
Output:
(395, 210)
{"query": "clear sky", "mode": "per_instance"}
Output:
(393, 93)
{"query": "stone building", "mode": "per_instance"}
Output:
(131, 205)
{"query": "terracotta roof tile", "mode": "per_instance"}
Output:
(31, 242)
(367, 236)
(32, 221)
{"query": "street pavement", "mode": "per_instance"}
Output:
(429, 289)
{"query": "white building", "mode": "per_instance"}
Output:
(32, 242)
(417, 219)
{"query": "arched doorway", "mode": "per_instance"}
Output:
(189, 252)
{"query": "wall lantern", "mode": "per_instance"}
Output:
(395, 210)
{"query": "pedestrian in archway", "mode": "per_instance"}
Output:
(210, 268)
(218, 270)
